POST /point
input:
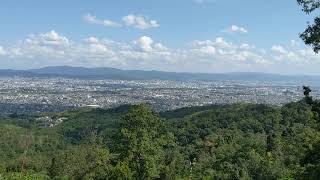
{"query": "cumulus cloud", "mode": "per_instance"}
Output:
(294, 55)
(219, 42)
(92, 40)
(139, 22)
(227, 52)
(44, 45)
(216, 55)
(279, 49)
(160, 47)
(236, 29)
(96, 47)
(145, 43)
(52, 48)
(131, 20)
(105, 22)
(246, 46)
(294, 43)
(2, 51)
(208, 50)
(51, 38)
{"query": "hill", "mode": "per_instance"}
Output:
(240, 141)
(112, 73)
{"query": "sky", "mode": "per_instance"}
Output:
(207, 36)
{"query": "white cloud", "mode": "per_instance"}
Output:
(131, 20)
(44, 45)
(160, 47)
(144, 43)
(294, 43)
(236, 29)
(294, 55)
(51, 38)
(246, 46)
(139, 22)
(222, 43)
(92, 40)
(219, 42)
(279, 49)
(208, 50)
(97, 47)
(105, 22)
(226, 53)
(217, 55)
(2, 51)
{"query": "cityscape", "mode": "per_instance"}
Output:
(20, 95)
(160, 90)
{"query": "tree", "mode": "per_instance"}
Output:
(311, 163)
(141, 142)
(306, 93)
(311, 36)
(88, 161)
(83, 162)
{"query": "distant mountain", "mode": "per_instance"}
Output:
(10, 72)
(112, 73)
(108, 73)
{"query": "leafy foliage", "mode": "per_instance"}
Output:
(311, 36)
(240, 141)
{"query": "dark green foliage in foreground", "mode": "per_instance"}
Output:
(311, 160)
(142, 139)
(238, 141)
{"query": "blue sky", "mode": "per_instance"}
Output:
(169, 35)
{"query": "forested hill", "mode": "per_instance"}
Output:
(238, 141)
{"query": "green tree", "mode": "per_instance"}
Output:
(311, 36)
(142, 142)
(88, 161)
(311, 160)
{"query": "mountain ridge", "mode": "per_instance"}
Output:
(119, 74)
